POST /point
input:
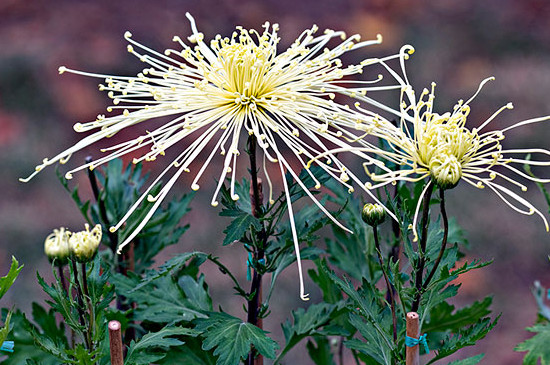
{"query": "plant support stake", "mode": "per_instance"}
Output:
(115, 343)
(412, 355)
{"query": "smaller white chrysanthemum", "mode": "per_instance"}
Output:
(442, 148)
(426, 144)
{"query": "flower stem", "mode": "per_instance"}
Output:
(444, 241)
(123, 262)
(422, 246)
(65, 288)
(88, 301)
(80, 303)
(393, 256)
(62, 279)
(258, 250)
(388, 285)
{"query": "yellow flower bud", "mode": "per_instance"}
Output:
(56, 246)
(373, 214)
(84, 244)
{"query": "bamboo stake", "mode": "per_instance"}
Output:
(115, 343)
(413, 353)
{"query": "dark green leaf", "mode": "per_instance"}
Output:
(306, 323)
(442, 317)
(464, 337)
(154, 346)
(239, 226)
(231, 338)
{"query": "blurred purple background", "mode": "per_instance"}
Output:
(458, 44)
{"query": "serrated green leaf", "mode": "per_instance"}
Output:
(239, 226)
(364, 303)
(61, 303)
(165, 302)
(175, 264)
(537, 346)
(7, 281)
(82, 356)
(154, 345)
(464, 337)
(469, 361)
(231, 338)
(377, 347)
(442, 317)
(306, 323)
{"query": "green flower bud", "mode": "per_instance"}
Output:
(56, 246)
(373, 214)
(84, 244)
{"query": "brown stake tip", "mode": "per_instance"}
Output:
(114, 325)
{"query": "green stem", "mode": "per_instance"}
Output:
(443, 243)
(422, 246)
(388, 285)
(226, 271)
(62, 279)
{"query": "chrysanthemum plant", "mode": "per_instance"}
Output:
(234, 96)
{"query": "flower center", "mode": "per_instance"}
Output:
(244, 68)
(445, 145)
(445, 170)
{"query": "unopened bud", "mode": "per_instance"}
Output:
(84, 244)
(373, 214)
(56, 246)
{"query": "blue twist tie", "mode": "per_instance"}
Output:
(249, 265)
(7, 346)
(412, 342)
(548, 295)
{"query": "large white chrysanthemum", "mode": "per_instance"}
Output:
(225, 92)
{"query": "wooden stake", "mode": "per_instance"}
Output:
(413, 353)
(115, 343)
